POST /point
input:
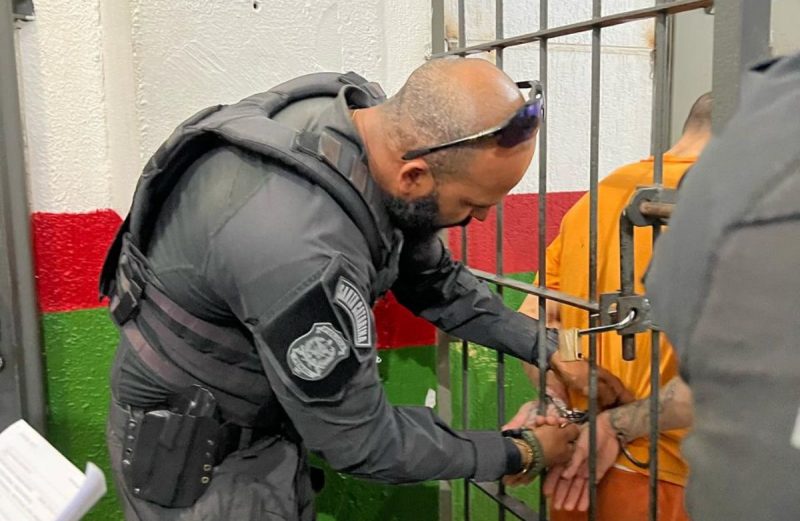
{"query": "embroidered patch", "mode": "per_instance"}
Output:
(353, 303)
(314, 355)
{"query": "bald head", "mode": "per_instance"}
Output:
(699, 118)
(447, 99)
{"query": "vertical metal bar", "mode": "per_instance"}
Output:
(741, 37)
(542, 235)
(626, 265)
(501, 361)
(462, 25)
(594, 154)
(659, 125)
(444, 402)
(444, 408)
(438, 34)
(465, 403)
(462, 42)
(465, 382)
(20, 338)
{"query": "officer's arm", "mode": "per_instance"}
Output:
(443, 291)
(317, 345)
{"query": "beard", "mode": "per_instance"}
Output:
(418, 217)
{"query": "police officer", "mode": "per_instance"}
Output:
(242, 281)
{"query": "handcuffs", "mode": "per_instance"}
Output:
(579, 417)
(576, 416)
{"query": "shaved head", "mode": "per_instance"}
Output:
(699, 118)
(446, 99)
(441, 101)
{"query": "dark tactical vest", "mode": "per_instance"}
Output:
(182, 356)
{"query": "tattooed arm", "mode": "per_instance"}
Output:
(675, 411)
(567, 486)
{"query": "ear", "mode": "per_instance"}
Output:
(415, 179)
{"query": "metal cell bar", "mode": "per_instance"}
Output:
(678, 6)
(462, 25)
(626, 265)
(444, 403)
(465, 406)
(542, 237)
(438, 34)
(537, 290)
(660, 126)
(22, 392)
(594, 161)
(507, 503)
(501, 360)
(462, 39)
(741, 37)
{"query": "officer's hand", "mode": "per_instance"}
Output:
(575, 375)
(528, 416)
(558, 443)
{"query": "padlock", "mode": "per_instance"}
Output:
(569, 347)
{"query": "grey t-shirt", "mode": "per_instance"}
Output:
(725, 286)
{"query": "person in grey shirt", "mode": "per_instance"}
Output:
(724, 285)
(244, 291)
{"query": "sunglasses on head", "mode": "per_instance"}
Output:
(520, 127)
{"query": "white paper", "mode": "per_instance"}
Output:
(39, 483)
(430, 399)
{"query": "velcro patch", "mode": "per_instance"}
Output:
(314, 355)
(308, 339)
(349, 299)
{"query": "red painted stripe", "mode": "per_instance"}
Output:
(69, 250)
(398, 327)
(520, 241)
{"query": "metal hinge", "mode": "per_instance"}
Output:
(651, 205)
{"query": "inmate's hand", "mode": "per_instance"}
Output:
(568, 485)
(528, 415)
(575, 375)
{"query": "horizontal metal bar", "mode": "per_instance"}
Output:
(530, 289)
(510, 503)
(579, 27)
(660, 210)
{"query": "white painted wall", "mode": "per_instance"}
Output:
(105, 82)
(65, 111)
(626, 84)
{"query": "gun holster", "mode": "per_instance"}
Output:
(169, 454)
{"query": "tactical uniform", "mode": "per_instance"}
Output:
(724, 286)
(243, 281)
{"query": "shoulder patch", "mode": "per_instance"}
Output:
(314, 355)
(350, 299)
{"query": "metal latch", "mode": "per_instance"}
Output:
(568, 345)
